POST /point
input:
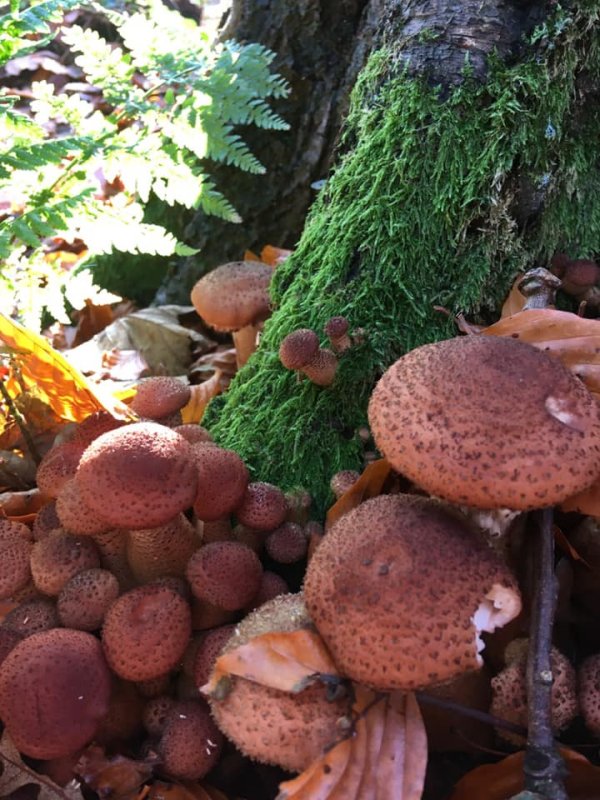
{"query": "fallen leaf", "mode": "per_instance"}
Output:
(384, 759)
(368, 485)
(515, 300)
(285, 661)
(566, 546)
(19, 504)
(503, 780)
(49, 376)
(183, 791)
(15, 774)
(249, 255)
(274, 255)
(92, 319)
(116, 777)
(202, 394)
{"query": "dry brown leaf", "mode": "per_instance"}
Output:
(15, 774)
(116, 777)
(368, 485)
(565, 545)
(385, 759)
(183, 791)
(274, 255)
(285, 661)
(91, 320)
(202, 394)
(503, 780)
(515, 300)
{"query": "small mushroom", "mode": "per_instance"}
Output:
(222, 481)
(235, 298)
(300, 351)
(287, 544)
(191, 743)
(264, 506)
(85, 598)
(336, 330)
(60, 556)
(160, 397)
(588, 676)
(226, 574)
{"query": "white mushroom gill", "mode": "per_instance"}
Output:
(498, 607)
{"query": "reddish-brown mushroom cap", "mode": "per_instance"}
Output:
(191, 743)
(225, 574)
(264, 507)
(160, 396)
(75, 516)
(60, 556)
(233, 295)
(9, 639)
(155, 713)
(54, 690)
(342, 481)
(222, 481)
(146, 631)
(208, 649)
(85, 598)
(271, 586)
(488, 422)
(392, 616)
(94, 426)
(46, 520)
(15, 552)
(336, 329)
(194, 434)
(32, 616)
(589, 692)
(138, 476)
(58, 466)
(299, 348)
(287, 544)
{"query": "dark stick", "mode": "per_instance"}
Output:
(544, 768)
(473, 713)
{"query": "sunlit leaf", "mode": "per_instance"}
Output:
(274, 255)
(284, 661)
(52, 378)
(384, 759)
(515, 300)
(202, 394)
(368, 485)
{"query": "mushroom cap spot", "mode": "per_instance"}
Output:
(160, 396)
(287, 543)
(146, 631)
(138, 476)
(58, 466)
(85, 598)
(589, 692)
(392, 616)
(225, 574)
(268, 725)
(74, 515)
(208, 649)
(264, 507)
(191, 743)
(222, 481)
(54, 690)
(162, 551)
(233, 295)
(15, 553)
(488, 422)
(299, 348)
(60, 556)
(32, 616)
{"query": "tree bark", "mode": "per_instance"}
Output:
(468, 155)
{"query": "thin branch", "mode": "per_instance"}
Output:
(18, 418)
(473, 713)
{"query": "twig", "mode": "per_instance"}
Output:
(473, 713)
(543, 767)
(17, 416)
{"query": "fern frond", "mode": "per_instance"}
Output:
(39, 154)
(18, 29)
(39, 222)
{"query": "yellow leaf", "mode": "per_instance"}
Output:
(384, 759)
(515, 300)
(202, 393)
(46, 373)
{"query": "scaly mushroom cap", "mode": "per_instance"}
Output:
(85, 598)
(287, 543)
(264, 507)
(46, 520)
(393, 616)
(226, 574)
(207, 649)
(191, 743)
(269, 725)
(73, 513)
(54, 690)
(589, 692)
(160, 396)
(60, 556)
(194, 434)
(487, 422)
(271, 586)
(15, 552)
(162, 551)
(299, 348)
(222, 481)
(146, 632)
(32, 616)
(156, 712)
(233, 295)
(58, 466)
(94, 426)
(138, 476)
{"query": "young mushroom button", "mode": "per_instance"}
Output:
(300, 351)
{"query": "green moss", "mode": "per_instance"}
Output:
(419, 213)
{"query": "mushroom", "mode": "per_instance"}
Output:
(60, 556)
(155, 713)
(336, 330)
(138, 476)
(222, 481)
(32, 616)
(160, 398)
(235, 298)
(392, 616)
(342, 481)
(489, 422)
(300, 351)
(194, 434)
(74, 515)
(146, 631)
(94, 426)
(46, 520)
(264, 507)
(269, 725)
(85, 598)
(162, 551)
(191, 743)
(287, 544)
(15, 552)
(54, 690)
(272, 585)
(208, 648)
(58, 466)
(589, 692)
(226, 574)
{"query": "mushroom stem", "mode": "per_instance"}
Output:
(544, 768)
(245, 343)
(539, 286)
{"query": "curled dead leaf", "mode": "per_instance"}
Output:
(15, 775)
(115, 776)
(368, 485)
(515, 300)
(202, 394)
(385, 758)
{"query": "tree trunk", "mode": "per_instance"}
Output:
(469, 154)
(320, 47)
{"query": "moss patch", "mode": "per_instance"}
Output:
(420, 212)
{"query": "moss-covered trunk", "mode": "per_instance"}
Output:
(446, 190)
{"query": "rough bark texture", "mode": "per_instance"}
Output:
(453, 178)
(320, 47)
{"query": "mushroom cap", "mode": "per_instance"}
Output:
(15, 552)
(146, 631)
(233, 295)
(392, 616)
(162, 551)
(342, 481)
(160, 396)
(58, 466)
(155, 713)
(32, 616)
(73, 513)
(138, 476)
(222, 481)
(208, 648)
(335, 327)
(54, 690)
(60, 556)
(85, 598)
(264, 507)
(46, 520)
(226, 574)
(269, 725)
(94, 426)
(191, 743)
(193, 433)
(489, 422)
(589, 692)
(287, 543)
(299, 348)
